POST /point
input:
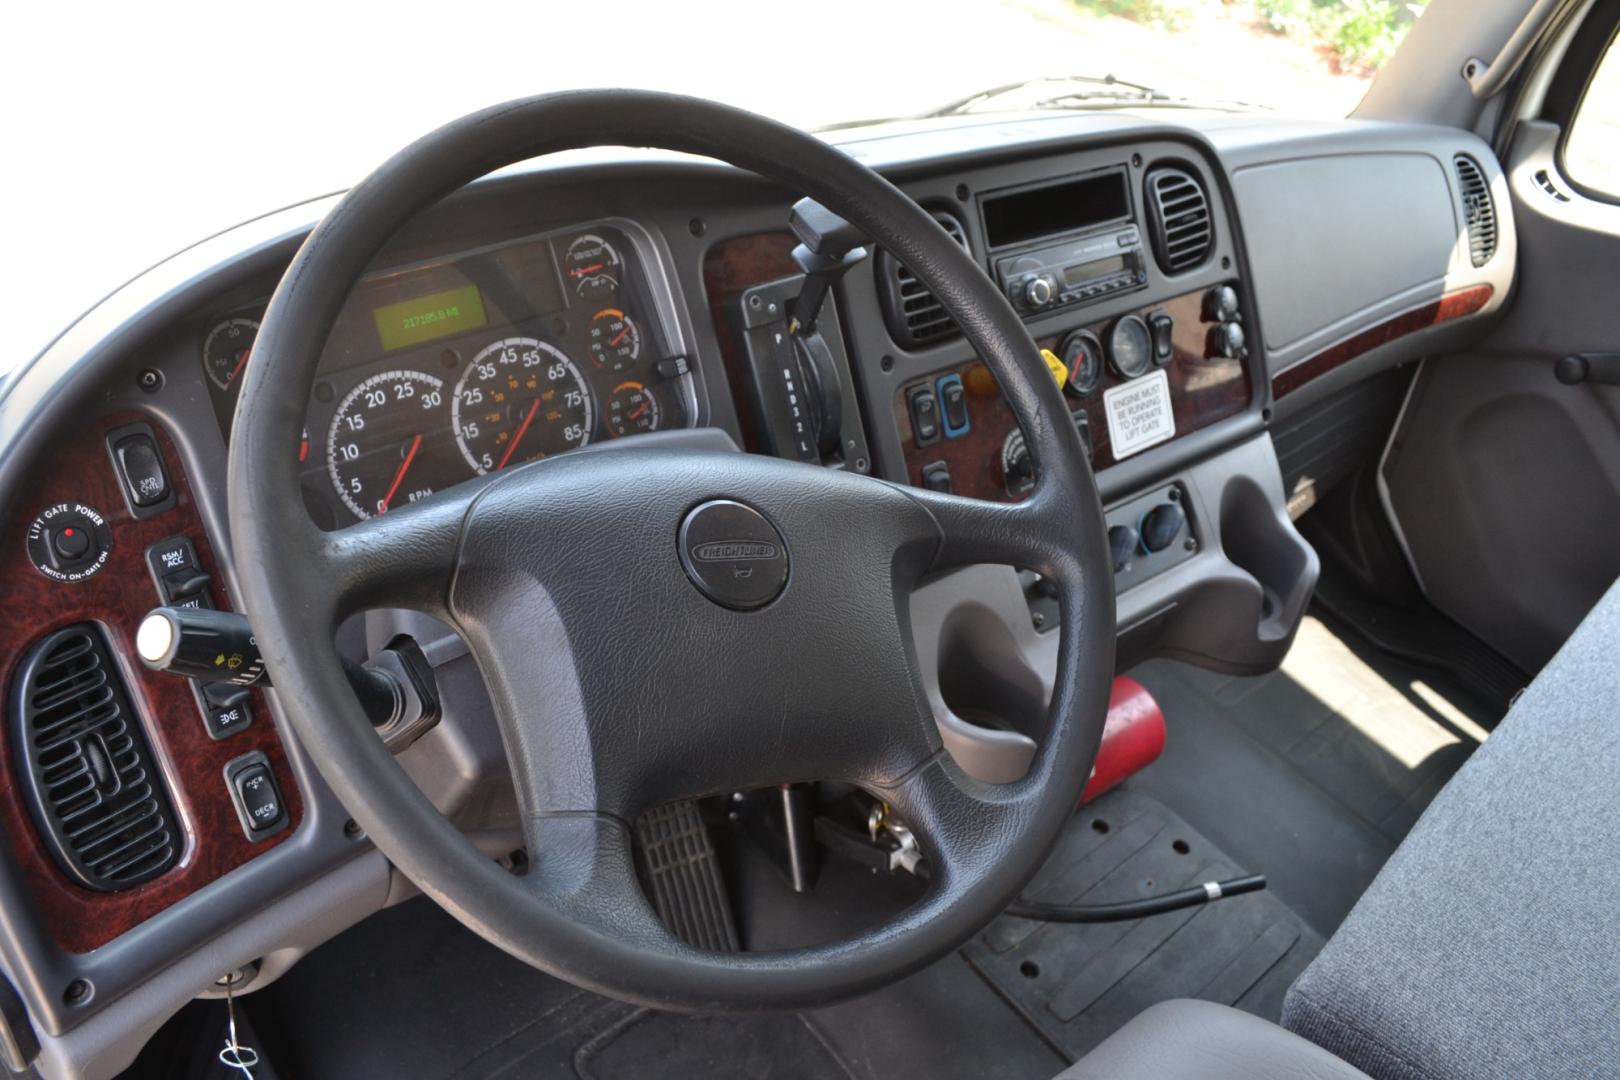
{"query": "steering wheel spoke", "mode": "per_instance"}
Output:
(405, 558)
(1031, 535)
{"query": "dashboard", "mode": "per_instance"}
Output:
(466, 364)
(1169, 272)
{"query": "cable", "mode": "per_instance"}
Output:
(1136, 909)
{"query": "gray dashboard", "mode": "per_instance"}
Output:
(1327, 231)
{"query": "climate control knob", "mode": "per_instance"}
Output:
(1121, 546)
(1160, 527)
(1037, 292)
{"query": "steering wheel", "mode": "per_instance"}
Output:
(622, 671)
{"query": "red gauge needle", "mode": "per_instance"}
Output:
(523, 427)
(399, 477)
(591, 269)
(240, 364)
(621, 336)
(645, 405)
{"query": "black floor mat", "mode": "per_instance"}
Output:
(1078, 984)
(780, 1046)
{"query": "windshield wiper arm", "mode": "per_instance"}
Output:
(1141, 92)
(1102, 98)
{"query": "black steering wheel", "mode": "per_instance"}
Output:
(618, 684)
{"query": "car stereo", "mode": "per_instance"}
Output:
(1071, 241)
(1074, 271)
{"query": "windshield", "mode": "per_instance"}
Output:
(147, 128)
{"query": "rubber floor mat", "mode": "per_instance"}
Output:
(1079, 983)
(653, 1044)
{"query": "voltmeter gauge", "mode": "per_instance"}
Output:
(592, 266)
(226, 349)
(614, 340)
(631, 409)
(1082, 353)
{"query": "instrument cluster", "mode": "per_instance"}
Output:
(444, 370)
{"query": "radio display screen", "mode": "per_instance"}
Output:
(1057, 208)
(1084, 272)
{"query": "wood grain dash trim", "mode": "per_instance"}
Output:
(1453, 305)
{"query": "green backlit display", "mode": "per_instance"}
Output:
(436, 315)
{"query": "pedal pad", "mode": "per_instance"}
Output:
(683, 873)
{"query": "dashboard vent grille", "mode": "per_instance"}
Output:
(1478, 210)
(87, 771)
(1182, 231)
(915, 318)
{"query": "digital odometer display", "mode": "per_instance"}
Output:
(427, 318)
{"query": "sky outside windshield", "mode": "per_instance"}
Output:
(138, 129)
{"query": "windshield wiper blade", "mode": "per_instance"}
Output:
(1103, 99)
(1133, 90)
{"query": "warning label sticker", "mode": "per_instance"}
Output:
(1139, 414)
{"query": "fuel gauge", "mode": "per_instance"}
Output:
(592, 266)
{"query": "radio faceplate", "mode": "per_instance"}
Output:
(1074, 271)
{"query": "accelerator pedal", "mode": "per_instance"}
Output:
(683, 876)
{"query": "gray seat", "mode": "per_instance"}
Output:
(1199, 1040)
(1489, 946)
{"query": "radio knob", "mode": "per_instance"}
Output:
(1037, 292)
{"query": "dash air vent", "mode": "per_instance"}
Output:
(915, 318)
(85, 767)
(1478, 210)
(1178, 211)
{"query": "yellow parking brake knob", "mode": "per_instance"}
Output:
(1060, 370)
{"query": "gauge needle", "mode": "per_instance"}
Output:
(523, 427)
(399, 477)
(591, 269)
(612, 344)
(241, 363)
(645, 405)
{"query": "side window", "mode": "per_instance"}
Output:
(1592, 152)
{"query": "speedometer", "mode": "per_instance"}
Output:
(380, 449)
(519, 400)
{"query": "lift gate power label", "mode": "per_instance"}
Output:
(1139, 414)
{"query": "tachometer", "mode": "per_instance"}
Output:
(631, 409)
(614, 340)
(520, 399)
(226, 348)
(380, 447)
(592, 266)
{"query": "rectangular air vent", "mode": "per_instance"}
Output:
(1545, 181)
(85, 768)
(1179, 215)
(915, 318)
(1478, 210)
